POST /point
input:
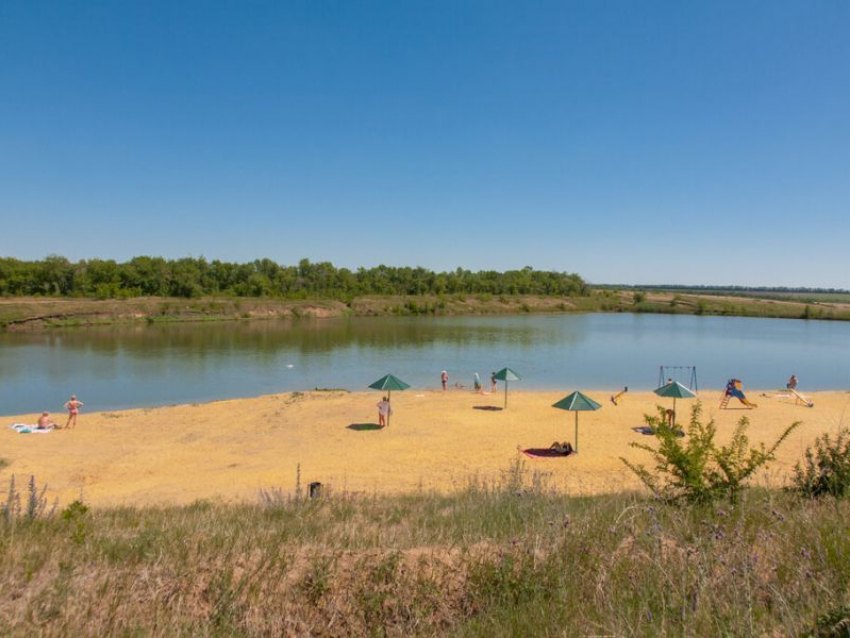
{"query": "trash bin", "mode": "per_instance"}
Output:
(315, 490)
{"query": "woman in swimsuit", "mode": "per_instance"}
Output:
(73, 406)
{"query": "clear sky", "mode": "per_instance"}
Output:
(631, 142)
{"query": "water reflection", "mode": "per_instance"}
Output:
(308, 336)
(157, 364)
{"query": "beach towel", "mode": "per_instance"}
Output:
(23, 428)
(544, 453)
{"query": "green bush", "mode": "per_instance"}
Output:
(693, 468)
(834, 624)
(75, 517)
(825, 471)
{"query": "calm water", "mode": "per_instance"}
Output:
(154, 365)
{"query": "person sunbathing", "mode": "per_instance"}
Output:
(45, 422)
(562, 448)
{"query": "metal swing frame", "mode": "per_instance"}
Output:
(692, 383)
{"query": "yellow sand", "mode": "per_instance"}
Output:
(228, 450)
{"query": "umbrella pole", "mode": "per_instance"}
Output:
(576, 438)
(389, 406)
(674, 414)
(506, 394)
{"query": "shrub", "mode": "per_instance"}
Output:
(825, 471)
(638, 297)
(74, 515)
(694, 468)
(833, 624)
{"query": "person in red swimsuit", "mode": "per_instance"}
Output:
(73, 406)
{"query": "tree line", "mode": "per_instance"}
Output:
(195, 277)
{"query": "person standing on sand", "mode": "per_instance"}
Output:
(383, 411)
(493, 383)
(444, 379)
(73, 406)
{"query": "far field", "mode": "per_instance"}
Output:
(17, 313)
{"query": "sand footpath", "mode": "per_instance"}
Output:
(229, 450)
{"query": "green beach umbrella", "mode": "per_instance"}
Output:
(389, 383)
(577, 402)
(674, 390)
(506, 374)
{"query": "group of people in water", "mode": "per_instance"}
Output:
(476, 382)
(385, 409)
(73, 406)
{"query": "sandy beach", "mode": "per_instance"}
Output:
(229, 450)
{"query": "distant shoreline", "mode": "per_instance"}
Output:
(38, 313)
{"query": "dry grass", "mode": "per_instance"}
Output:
(505, 559)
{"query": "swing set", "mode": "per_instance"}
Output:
(680, 374)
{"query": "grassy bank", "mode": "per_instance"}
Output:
(40, 312)
(510, 559)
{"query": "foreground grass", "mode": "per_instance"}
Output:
(503, 560)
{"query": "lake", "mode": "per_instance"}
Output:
(149, 365)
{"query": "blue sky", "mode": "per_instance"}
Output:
(633, 142)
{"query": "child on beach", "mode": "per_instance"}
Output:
(384, 410)
(493, 383)
(73, 406)
(444, 379)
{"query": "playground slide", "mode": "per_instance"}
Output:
(733, 389)
(802, 399)
(739, 394)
